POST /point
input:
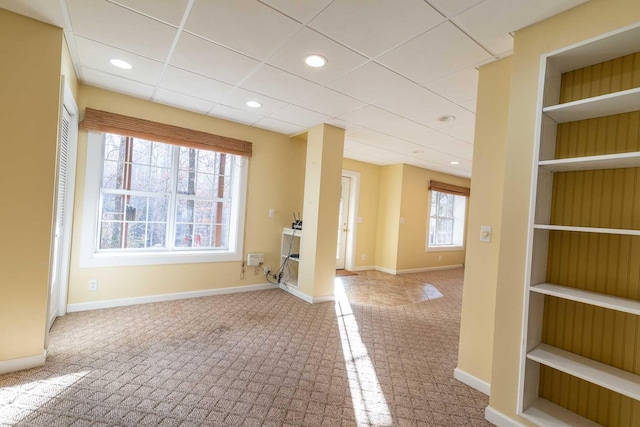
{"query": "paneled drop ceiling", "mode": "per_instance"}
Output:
(395, 68)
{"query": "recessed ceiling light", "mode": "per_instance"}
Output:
(454, 163)
(446, 118)
(120, 64)
(315, 61)
(418, 151)
(254, 104)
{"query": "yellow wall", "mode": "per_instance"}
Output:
(367, 210)
(276, 180)
(585, 21)
(414, 208)
(389, 201)
(30, 87)
(485, 208)
(68, 71)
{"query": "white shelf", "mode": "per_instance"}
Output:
(544, 413)
(292, 232)
(599, 106)
(606, 376)
(588, 297)
(621, 231)
(607, 161)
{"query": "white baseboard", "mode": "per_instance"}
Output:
(326, 298)
(365, 268)
(385, 270)
(422, 270)
(471, 381)
(96, 305)
(21, 363)
(295, 292)
(500, 419)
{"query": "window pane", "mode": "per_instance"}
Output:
(446, 219)
(142, 151)
(185, 210)
(156, 236)
(113, 175)
(158, 209)
(202, 236)
(205, 185)
(184, 235)
(112, 207)
(110, 235)
(203, 211)
(114, 147)
(136, 235)
(161, 155)
(140, 177)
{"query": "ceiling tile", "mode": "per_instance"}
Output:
(431, 118)
(278, 84)
(233, 114)
(365, 158)
(246, 26)
(200, 56)
(414, 100)
(300, 116)
(458, 87)
(303, 11)
(116, 84)
(185, 102)
(464, 131)
(368, 116)
(348, 127)
(491, 21)
(455, 148)
(410, 131)
(96, 56)
(195, 85)
(279, 126)
(119, 27)
(375, 26)
(291, 57)
(329, 102)
(170, 12)
(371, 82)
(42, 10)
(470, 105)
(452, 8)
(437, 53)
(238, 98)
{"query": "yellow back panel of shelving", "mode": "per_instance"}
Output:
(604, 263)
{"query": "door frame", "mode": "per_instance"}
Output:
(352, 223)
(68, 103)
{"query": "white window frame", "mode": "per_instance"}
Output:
(91, 257)
(446, 248)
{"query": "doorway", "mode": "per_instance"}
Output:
(347, 220)
(63, 209)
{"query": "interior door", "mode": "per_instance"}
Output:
(61, 199)
(343, 222)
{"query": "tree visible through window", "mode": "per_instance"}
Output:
(160, 196)
(446, 219)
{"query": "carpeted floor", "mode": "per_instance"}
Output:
(258, 359)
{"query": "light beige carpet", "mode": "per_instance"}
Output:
(256, 359)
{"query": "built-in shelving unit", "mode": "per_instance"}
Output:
(582, 296)
(290, 255)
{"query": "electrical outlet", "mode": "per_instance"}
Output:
(267, 269)
(93, 285)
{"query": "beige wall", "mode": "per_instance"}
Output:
(30, 88)
(276, 180)
(414, 208)
(367, 210)
(68, 71)
(389, 201)
(585, 21)
(485, 208)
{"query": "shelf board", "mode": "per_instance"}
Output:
(291, 259)
(544, 413)
(598, 106)
(292, 232)
(621, 231)
(588, 297)
(607, 161)
(606, 376)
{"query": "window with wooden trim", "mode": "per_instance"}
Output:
(446, 220)
(168, 202)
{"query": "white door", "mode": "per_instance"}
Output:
(343, 222)
(58, 240)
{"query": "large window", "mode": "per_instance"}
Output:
(446, 220)
(163, 201)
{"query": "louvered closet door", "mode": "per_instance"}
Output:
(63, 160)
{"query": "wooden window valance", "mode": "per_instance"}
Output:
(104, 121)
(449, 188)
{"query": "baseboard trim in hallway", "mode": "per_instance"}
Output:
(472, 381)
